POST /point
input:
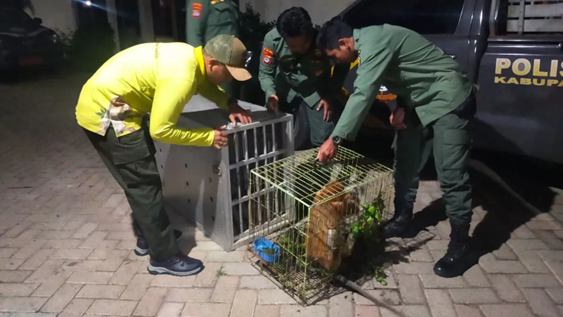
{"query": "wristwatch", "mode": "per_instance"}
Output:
(337, 140)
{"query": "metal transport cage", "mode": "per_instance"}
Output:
(210, 186)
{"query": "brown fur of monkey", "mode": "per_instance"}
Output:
(322, 231)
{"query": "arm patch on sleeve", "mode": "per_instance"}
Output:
(268, 56)
(196, 10)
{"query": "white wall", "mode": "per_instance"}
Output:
(56, 14)
(319, 10)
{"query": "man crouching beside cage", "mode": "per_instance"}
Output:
(438, 104)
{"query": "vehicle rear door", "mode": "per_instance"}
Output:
(521, 81)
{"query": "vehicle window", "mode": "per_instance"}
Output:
(424, 17)
(536, 17)
(14, 17)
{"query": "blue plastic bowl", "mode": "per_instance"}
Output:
(262, 243)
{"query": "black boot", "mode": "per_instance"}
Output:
(456, 261)
(399, 225)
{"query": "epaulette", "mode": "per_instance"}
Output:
(277, 36)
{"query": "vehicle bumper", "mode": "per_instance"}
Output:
(11, 59)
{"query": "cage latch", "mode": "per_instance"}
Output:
(216, 168)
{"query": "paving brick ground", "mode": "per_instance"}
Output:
(66, 244)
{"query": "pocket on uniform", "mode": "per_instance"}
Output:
(224, 14)
(130, 148)
(139, 172)
(455, 149)
(221, 6)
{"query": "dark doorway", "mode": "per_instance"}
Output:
(181, 19)
(128, 23)
(162, 18)
(93, 14)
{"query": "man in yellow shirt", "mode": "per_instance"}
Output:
(159, 78)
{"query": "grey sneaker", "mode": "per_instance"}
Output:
(180, 265)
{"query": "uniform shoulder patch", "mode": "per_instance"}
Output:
(267, 56)
(268, 51)
(196, 10)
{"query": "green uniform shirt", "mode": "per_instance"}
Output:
(409, 66)
(207, 19)
(286, 74)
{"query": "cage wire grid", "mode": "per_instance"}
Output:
(305, 209)
(251, 150)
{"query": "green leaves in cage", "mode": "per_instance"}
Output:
(269, 251)
(380, 276)
(368, 224)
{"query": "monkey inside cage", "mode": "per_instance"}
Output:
(305, 217)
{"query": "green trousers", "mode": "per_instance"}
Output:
(448, 139)
(319, 129)
(130, 159)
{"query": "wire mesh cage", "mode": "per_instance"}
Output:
(305, 218)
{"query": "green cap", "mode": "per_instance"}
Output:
(229, 50)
